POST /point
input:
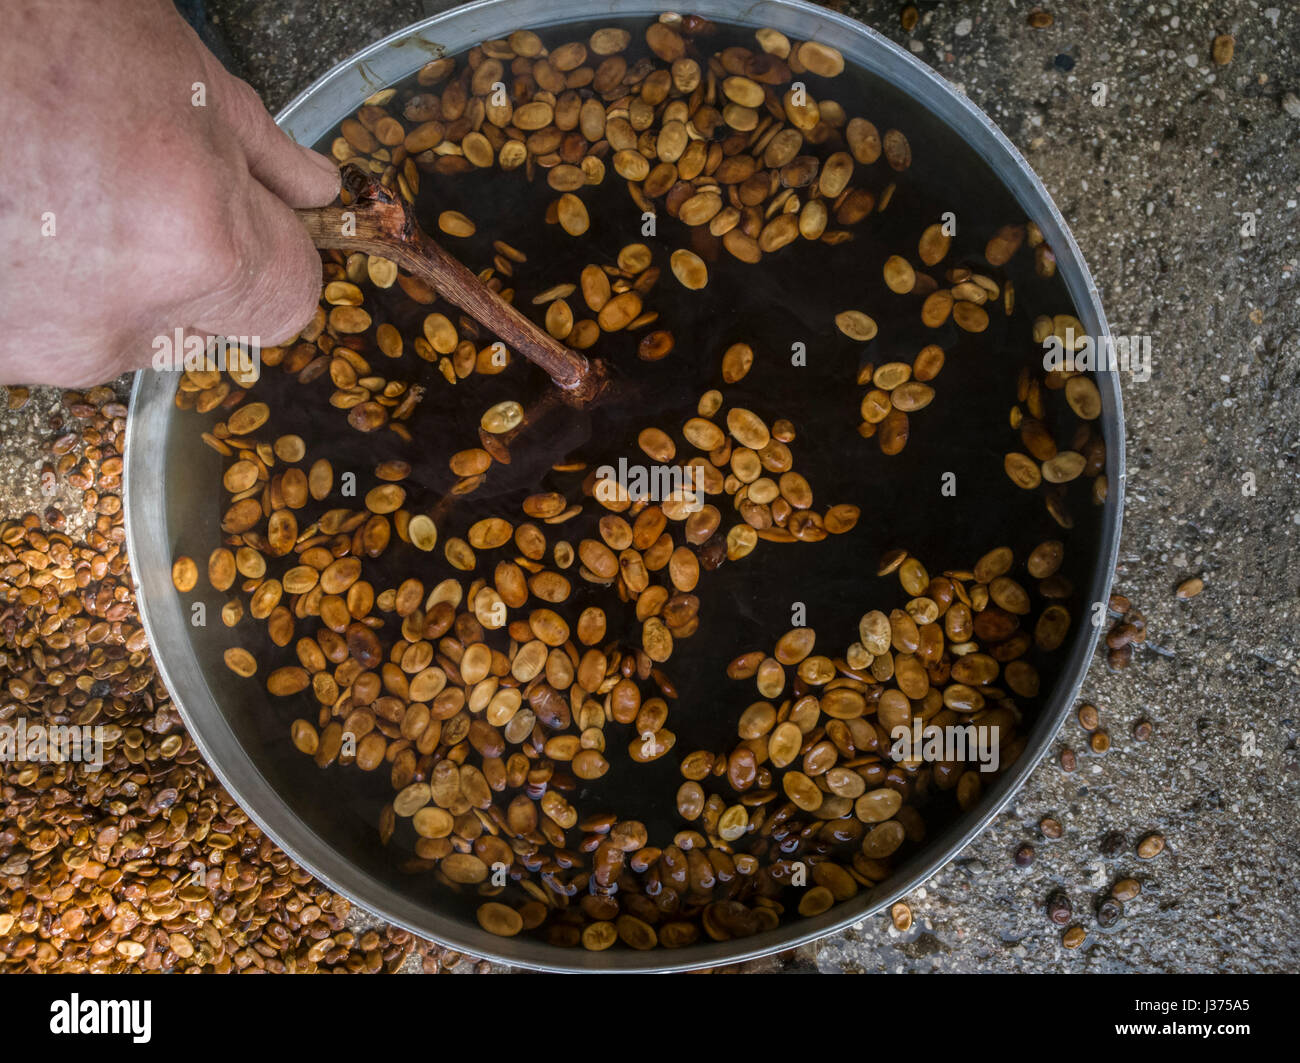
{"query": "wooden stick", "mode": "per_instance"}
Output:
(379, 223)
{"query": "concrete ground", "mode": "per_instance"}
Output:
(1157, 185)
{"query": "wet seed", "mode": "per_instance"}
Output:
(1151, 846)
(572, 215)
(689, 269)
(736, 362)
(503, 417)
(856, 325)
(185, 574)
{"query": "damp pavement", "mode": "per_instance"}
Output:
(1181, 186)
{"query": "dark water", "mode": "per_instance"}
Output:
(791, 297)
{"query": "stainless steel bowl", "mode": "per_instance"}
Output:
(167, 472)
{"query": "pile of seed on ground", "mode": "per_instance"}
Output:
(147, 864)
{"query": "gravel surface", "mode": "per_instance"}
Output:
(1158, 183)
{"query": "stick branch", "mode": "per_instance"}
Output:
(384, 225)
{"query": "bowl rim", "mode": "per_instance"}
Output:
(367, 71)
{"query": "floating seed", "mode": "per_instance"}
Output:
(899, 275)
(240, 661)
(185, 574)
(423, 532)
(1023, 470)
(572, 214)
(856, 325)
(690, 269)
(503, 417)
(1084, 398)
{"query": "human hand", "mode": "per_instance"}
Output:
(146, 190)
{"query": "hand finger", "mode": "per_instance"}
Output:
(298, 175)
(277, 282)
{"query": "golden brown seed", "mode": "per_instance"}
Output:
(741, 540)
(342, 293)
(422, 532)
(499, 919)
(703, 434)
(240, 661)
(747, 428)
(595, 287)
(471, 462)
(898, 152)
(440, 333)
(1084, 398)
(821, 59)
(934, 244)
(700, 208)
(802, 791)
(290, 448)
(572, 215)
(815, 901)
(248, 418)
(841, 518)
(736, 362)
(928, 362)
(386, 498)
(221, 569)
(689, 269)
(502, 417)
(899, 275)
(304, 737)
(381, 271)
(460, 555)
(795, 645)
(936, 308)
(856, 325)
(1151, 846)
(970, 316)
(454, 223)
(1045, 558)
(284, 682)
(654, 346)
(1004, 244)
(1023, 470)
(657, 444)
(490, 533)
(912, 396)
(1052, 627)
(348, 320)
(320, 479)
(240, 476)
(893, 433)
(185, 574)
(1064, 467)
(619, 312)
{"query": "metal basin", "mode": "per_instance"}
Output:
(168, 472)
